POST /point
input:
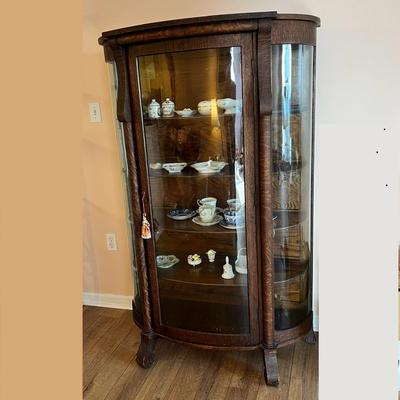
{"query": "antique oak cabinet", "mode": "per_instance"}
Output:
(218, 125)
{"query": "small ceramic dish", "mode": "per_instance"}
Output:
(157, 165)
(186, 112)
(229, 226)
(166, 261)
(217, 219)
(181, 214)
(209, 167)
(174, 168)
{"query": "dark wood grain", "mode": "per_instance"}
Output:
(124, 114)
(279, 279)
(264, 150)
(206, 42)
(294, 32)
(271, 367)
(205, 20)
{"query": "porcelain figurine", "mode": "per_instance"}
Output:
(228, 270)
(154, 109)
(211, 255)
(168, 108)
(194, 259)
(241, 261)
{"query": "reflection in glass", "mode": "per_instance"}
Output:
(292, 80)
(202, 145)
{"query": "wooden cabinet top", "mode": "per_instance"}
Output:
(244, 21)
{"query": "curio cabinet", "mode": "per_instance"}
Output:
(218, 124)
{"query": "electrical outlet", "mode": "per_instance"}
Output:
(94, 112)
(111, 242)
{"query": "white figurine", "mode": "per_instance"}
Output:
(211, 255)
(194, 259)
(228, 271)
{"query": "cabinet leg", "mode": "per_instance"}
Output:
(145, 355)
(311, 337)
(271, 372)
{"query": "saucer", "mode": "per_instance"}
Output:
(229, 226)
(217, 219)
(166, 261)
(181, 214)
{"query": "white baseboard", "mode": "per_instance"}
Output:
(107, 300)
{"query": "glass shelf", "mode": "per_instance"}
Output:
(163, 223)
(206, 273)
(194, 119)
(189, 172)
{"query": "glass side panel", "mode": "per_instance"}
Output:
(193, 127)
(292, 80)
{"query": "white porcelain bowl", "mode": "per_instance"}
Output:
(186, 112)
(174, 168)
(209, 167)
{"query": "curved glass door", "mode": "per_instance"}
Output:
(292, 90)
(193, 130)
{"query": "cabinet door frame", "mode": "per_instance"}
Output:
(245, 41)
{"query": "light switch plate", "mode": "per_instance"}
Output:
(94, 112)
(111, 242)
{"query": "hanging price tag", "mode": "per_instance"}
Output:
(146, 231)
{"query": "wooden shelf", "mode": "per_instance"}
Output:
(196, 118)
(189, 172)
(209, 274)
(206, 273)
(227, 171)
(165, 223)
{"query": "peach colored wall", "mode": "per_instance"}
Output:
(103, 204)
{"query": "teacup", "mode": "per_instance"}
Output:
(233, 204)
(211, 201)
(206, 213)
(230, 216)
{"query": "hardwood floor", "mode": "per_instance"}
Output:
(110, 340)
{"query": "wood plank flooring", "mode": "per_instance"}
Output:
(110, 341)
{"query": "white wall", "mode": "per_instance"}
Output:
(356, 225)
